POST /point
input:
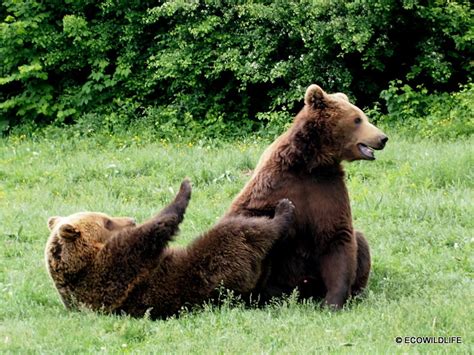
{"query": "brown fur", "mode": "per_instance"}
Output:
(110, 264)
(326, 258)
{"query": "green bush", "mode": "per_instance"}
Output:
(441, 115)
(225, 66)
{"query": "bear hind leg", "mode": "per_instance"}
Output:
(363, 264)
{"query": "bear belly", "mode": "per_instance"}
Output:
(323, 220)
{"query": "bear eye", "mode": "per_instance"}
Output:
(357, 120)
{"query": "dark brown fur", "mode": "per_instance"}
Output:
(131, 269)
(327, 258)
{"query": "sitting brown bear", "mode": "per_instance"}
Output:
(327, 258)
(110, 264)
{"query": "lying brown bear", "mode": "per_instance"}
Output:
(327, 258)
(110, 264)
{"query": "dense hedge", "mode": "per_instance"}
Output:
(208, 63)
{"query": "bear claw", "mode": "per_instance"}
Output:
(284, 206)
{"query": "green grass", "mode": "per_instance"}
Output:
(414, 204)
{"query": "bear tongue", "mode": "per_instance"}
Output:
(367, 152)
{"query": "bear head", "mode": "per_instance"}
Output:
(347, 129)
(75, 240)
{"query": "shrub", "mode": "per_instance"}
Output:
(439, 114)
(219, 63)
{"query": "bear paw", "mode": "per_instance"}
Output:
(284, 208)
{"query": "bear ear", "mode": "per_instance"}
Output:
(68, 232)
(52, 221)
(340, 95)
(314, 95)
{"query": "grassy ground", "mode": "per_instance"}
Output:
(414, 204)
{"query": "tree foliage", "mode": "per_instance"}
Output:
(211, 63)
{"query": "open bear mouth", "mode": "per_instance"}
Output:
(366, 151)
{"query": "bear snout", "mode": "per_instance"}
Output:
(383, 141)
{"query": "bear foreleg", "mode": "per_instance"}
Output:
(136, 248)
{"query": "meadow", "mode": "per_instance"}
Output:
(414, 203)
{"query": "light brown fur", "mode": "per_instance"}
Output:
(109, 264)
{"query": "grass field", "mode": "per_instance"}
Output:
(414, 203)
